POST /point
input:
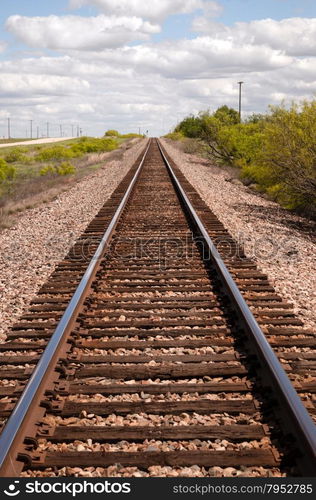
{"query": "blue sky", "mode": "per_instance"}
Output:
(234, 10)
(128, 64)
(177, 26)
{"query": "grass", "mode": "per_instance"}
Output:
(42, 171)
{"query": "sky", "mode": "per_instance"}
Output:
(134, 65)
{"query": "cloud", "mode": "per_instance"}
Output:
(118, 90)
(156, 10)
(30, 84)
(102, 81)
(202, 57)
(212, 9)
(79, 33)
(296, 36)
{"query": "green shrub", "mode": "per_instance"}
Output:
(112, 133)
(226, 115)
(190, 126)
(277, 151)
(17, 155)
(91, 145)
(65, 168)
(131, 135)
(7, 172)
(175, 136)
(243, 142)
(84, 146)
(288, 155)
(54, 153)
(48, 170)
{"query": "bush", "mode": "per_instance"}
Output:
(65, 168)
(288, 158)
(131, 135)
(226, 115)
(54, 153)
(175, 136)
(277, 151)
(116, 134)
(17, 155)
(48, 170)
(112, 133)
(243, 142)
(190, 126)
(87, 145)
(7, 172)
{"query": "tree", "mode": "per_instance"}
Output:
(289, 154)
(277, 151)
(190, 126)
(226, 115)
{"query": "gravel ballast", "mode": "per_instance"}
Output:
(270, 235)
(41, 237)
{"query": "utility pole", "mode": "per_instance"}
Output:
(9, 128)
(47, 126)
(240, 84)
(31, 122)
(77, 130)
(61, 130)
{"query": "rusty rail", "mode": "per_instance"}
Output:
(297, 419)
(302, 426)
(16, 425)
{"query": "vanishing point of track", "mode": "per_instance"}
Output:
(142, 351)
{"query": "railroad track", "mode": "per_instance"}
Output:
(141, 353)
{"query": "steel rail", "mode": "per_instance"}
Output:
(12, 430)
(302, 425)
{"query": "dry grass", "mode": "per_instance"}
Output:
(189, 146)
(30, 194)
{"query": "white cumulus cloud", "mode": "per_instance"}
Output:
(100, 80)
(202, 57)
(29, 84)
(79, 33)
(296, 36)
(156, 10)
